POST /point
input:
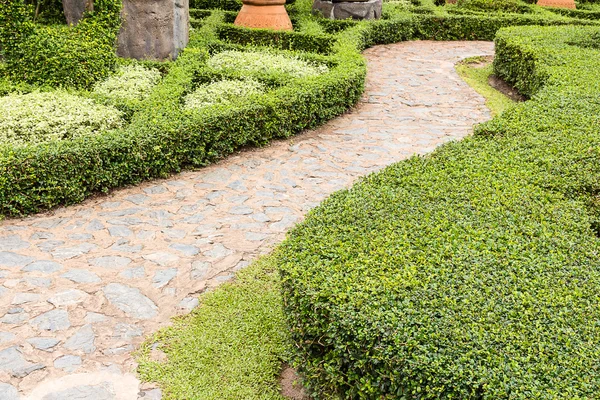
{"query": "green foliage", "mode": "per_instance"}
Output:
(59, 56)
(471, 273)
(255, 62)
(227, 5)
(477, 76)
(514, 6)
(129, 83)
(223, 92)
(48, 116)
(283, 40)
(227, 349)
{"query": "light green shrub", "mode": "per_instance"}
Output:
(131, 82)
(255, 62)
(222, 92)
(47, 116)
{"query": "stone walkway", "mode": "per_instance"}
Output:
(82, 286)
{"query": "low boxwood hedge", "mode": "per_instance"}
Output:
(471, 273)
(162, 138)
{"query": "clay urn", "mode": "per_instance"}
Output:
(557, 3)
(267, 14)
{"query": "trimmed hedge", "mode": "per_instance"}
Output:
(59, 56)
(162, 138)
(472, 273)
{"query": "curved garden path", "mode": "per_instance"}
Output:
(81, 286)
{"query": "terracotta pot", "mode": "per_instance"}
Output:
(557, 3)
(269, 14)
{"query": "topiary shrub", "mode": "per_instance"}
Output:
(130, 83)
(59, 56)
(513, 6)
(255, 62)
(48, 116)
(223, 92)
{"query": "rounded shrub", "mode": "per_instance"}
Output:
(49, 116)
(223, 92)
(130, 82)
(261, 62)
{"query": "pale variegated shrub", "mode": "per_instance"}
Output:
(47, 116)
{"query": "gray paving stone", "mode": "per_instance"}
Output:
(153, 394)
(81, 276)
(110, 262)
(23, 298)
(185, 249)
(10, 259)
(53, 320)
(41, 236)
(188, 303)
(127, 331)
(9, 392)
(81, 236)
(162, 258)
(218, 251)
(261, 217)
(240, 210)
(12, 243)
(200, 269)
(95, 226)
(256, 237)
(237, 185)
(125, 221)
(65, 253)
(68, 297)
(49, 245)
(6, 337)
(43, 343)
(14, 318)
(146, 235)
(47, 267)
(133, 273)
(13, 362)
(82, 340)
(194, 219)
(119, 231)
(68, 363)
(107, 205)
(138, 198)
(4, 273)
(174, 233)
(122, 213)
(115, 351)
(39, 282)
(92, 317)
(155, 190)
(163, 277)
(130, 300)
(123, 246)
(51, 223)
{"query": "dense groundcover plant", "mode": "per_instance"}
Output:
(472, 273)
(48, 116)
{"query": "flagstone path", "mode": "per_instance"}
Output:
(81, 287)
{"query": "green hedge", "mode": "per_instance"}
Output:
(472, 273)
(57, 55)
(163, 139)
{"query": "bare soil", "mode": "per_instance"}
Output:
(291, 388)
